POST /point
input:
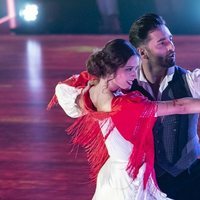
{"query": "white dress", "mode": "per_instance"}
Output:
(113, 181)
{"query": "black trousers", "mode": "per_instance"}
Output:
(185, 186)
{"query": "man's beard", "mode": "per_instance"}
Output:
(170, 60)
(167, 62)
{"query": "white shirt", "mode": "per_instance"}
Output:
(193, 80)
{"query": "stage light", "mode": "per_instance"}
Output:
(29, 13)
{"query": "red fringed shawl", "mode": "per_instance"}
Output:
(134, 119)
(133, 116)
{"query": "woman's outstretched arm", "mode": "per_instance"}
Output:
(178, 106)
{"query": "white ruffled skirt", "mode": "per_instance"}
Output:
(114, 183)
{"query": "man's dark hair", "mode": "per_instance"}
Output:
(140, 28)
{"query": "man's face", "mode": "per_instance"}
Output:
(160, 48)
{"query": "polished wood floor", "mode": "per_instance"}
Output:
(35, 158)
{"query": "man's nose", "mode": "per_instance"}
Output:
(171, 46)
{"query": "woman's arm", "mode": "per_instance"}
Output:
(178, 106)
(67, 99)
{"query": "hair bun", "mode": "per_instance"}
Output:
(96, 63)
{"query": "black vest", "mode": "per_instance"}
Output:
(175, 136)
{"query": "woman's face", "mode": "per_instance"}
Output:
(125, 75)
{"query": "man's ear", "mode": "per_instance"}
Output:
(143, 53)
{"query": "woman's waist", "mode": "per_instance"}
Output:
(121, 163)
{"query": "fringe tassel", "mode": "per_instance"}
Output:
(144, 146)
(53, 102)
(86, 132)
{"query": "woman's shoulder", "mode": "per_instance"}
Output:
(133, 96)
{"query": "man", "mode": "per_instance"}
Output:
(176, 140)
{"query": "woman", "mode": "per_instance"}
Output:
(116, 128)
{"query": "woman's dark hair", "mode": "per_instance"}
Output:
(140, 28)
(115, 54)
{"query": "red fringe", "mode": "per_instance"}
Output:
(86, 132)
(52, 102)
(144, 146)
(133, 116)
(137, 128)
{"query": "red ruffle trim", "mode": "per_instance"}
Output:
(77, 81)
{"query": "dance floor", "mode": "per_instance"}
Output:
(36, 162)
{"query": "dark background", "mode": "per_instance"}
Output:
(83, 17)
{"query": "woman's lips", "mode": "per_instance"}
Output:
(130, 82)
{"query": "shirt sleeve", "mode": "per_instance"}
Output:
(66, 96)
(193, 79)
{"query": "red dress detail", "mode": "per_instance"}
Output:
(86, 131)
(134, 119)
(78, 81)
(133, 116)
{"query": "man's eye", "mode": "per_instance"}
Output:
(162, 43)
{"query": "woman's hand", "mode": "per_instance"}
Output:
(79, 100)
